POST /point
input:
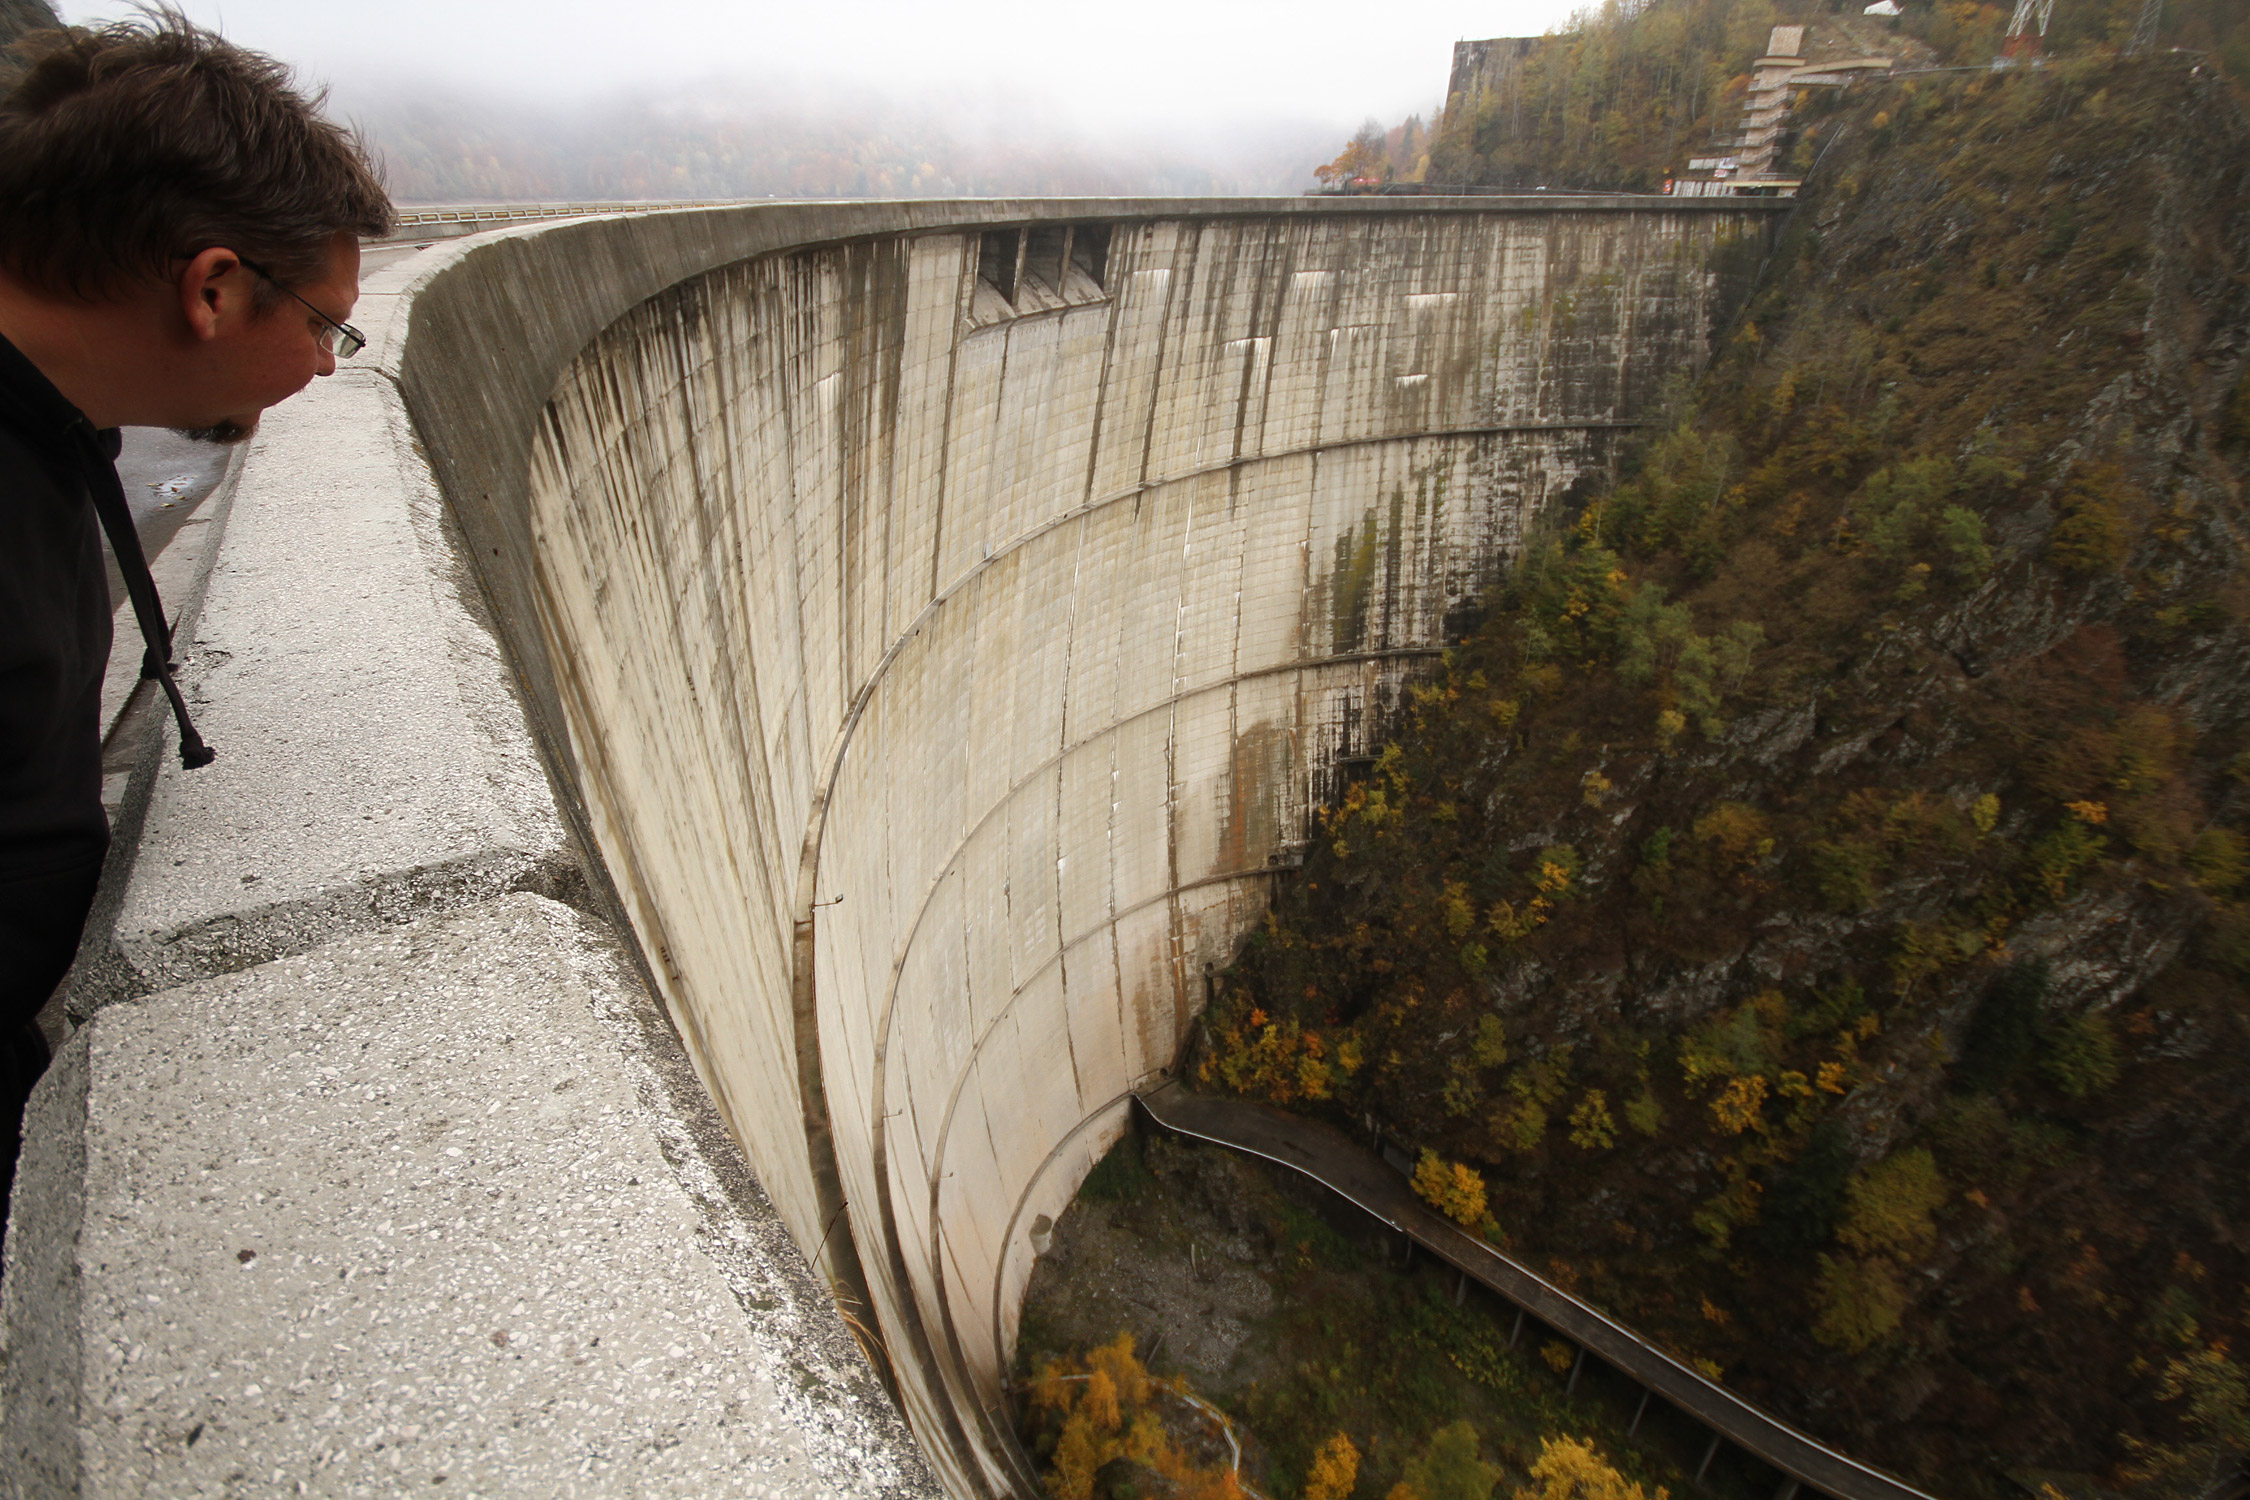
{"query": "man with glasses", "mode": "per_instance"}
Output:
(179, 247)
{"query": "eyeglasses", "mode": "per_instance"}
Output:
(339, 339)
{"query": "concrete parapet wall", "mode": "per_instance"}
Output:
(345, 1086)
(940, 678)
(389, 1215)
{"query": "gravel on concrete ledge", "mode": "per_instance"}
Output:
(428, 1202)
(373, 764)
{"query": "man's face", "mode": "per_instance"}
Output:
(254, 357)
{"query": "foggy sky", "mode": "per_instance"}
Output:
(1179, 68)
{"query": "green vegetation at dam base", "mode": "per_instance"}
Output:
(1812, 911)
(1343, 1367)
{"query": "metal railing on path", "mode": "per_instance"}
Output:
(409, 220)
(1343, 1167)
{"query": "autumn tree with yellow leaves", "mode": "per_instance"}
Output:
(1574, 1469)
(1452, 1188)
(1335, 1469)
(1106, 1407)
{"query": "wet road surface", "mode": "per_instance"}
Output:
(167, 478)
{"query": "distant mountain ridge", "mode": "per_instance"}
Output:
(755, 138)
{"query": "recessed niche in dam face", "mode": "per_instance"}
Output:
(953, 630)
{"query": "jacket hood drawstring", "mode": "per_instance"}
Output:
(148, 610)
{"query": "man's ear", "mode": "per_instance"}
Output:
(214, 288)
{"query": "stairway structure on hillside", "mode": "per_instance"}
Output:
(1745, 164)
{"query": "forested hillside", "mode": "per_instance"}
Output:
(1815, 904)
(1623, 97)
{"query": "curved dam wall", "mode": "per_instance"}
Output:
(940, 619)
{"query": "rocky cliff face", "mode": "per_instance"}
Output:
(1814, 900)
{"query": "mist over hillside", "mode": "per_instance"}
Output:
(747, 139)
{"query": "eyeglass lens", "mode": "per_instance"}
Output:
(339, 339)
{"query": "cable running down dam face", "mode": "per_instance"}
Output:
(943, 619)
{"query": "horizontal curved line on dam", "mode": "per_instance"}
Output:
(1013, 1445)
(1321, 1153)
(881, 1082)
(834, 761)
(953, 1097)
(1168, 705)
(1079, 512)
(1002, 1437)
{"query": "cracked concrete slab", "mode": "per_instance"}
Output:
(373, 764)
(424, 1204)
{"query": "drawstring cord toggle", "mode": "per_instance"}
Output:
(140, 588)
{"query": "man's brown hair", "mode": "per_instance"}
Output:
(126, 146)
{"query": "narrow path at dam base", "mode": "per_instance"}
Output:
(1300, 1317)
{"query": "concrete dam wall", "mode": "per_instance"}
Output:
(939, 621)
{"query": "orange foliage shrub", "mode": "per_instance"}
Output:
(1335, 1469)
(1107, 1407)
(1575, 1469)
(1451, 1188)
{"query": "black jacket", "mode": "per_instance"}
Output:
(58, 490)
(54, 626)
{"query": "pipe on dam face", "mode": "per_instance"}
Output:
(941, 620)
